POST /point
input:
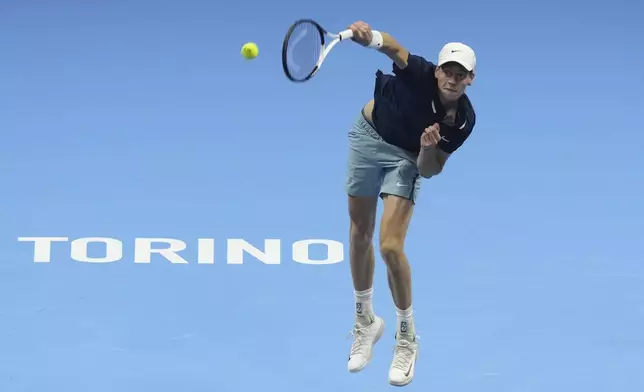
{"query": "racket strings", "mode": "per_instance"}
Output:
(304, 48)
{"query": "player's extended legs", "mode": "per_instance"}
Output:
(395, 221)
(394, 224)
(393, 230)
(368, 327)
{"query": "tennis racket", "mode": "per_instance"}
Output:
(305, 47)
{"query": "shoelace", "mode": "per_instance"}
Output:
(359, 335)
(403, 354)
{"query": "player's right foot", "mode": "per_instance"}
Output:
(365, 335)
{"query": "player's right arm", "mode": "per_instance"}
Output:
(396, 52)
(363, 35)
(411, 68)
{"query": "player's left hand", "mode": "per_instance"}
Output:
(431, 137)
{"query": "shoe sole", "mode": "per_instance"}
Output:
(401, 384)
(378, 336)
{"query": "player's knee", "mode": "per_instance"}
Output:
(391, 251)
(361, 235)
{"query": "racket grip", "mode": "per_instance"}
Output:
(376, 41)
(346, 34)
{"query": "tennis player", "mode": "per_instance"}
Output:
(419, 116)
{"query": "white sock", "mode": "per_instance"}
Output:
(406, 322)
(364, 305)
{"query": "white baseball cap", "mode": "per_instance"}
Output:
(458, 52)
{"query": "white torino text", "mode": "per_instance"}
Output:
(170, 247)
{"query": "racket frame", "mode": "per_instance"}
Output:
(324, 35)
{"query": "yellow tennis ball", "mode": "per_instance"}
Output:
(250, 50)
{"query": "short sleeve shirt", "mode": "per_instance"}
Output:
(408, 102)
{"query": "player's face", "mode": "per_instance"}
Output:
(453, 79)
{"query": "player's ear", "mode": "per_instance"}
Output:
(472, 75)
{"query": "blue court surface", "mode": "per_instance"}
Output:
(140, 120)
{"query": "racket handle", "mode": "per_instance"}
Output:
(346, 34)
(376, 41)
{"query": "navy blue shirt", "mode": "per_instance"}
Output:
(408, 102)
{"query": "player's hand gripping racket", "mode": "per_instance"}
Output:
(305, 48)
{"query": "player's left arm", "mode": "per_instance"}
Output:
(438, 143)
(431, 161)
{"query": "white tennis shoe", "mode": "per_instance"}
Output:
(401, 371)
(364, 338)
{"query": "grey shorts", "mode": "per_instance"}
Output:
(376, 167)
